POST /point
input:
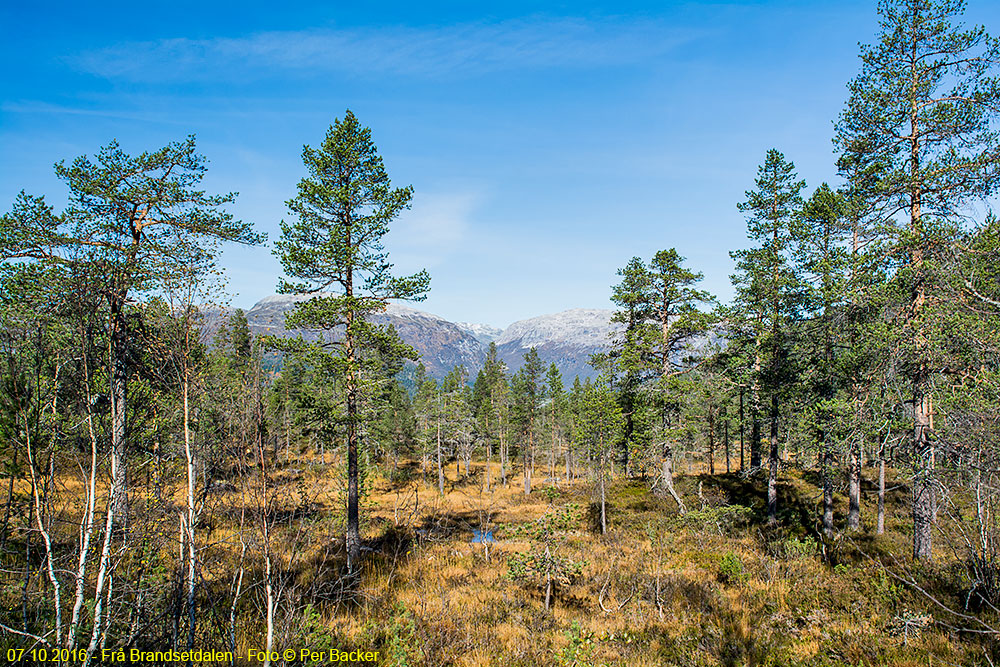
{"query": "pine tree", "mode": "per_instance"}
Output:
(599, 424)
(922, 111)
(555, 398)
(456, 400)
(678, 320)
(134, 223)
(660, 310)
(426, 405)
(343, 209)
(526, 389)
(769, 297)
(675, 310)
(821, 251)
(626, 365)
(489, 405)
(395, 424)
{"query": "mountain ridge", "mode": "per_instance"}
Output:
(566, 338)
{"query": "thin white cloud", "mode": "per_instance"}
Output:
(34, 108)
(403, 51)
(435, 226)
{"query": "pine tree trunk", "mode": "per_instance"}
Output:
(352, 538)
(854, 488)
(440, 463)
(923, 503)
(503, 458)
(827, 489)
(923, 486)
(725, 438)
(489, 455)
(529, 459)
(668, 476)
(552, 449)
(288, 427)
(742, 448)
(604, 516)
(569, 476)
(880, 521)
(711, 441)
(755, 410)
(627, 437)
(772, 474)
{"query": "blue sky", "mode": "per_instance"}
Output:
(546, 144)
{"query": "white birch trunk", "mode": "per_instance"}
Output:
(86, 527)
(40, 523)
(191, 516)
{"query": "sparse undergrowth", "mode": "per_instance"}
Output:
(713, 588)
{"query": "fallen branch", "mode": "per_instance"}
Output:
(27, 634)
(604, 588)
(986, 628)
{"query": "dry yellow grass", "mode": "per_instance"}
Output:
(427, 596)
(463, 610)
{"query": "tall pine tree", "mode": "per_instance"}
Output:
(343, 208)
(923, 110)
(769, 294)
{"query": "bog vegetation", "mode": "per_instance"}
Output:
(808, 475)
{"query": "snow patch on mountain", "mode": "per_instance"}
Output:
(484, 333)
(586, 327)
(567, 339)
(441, 344)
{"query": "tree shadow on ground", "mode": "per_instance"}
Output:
(323, 579)
(449, 525)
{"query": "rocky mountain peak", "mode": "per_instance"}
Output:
(590, 327)
(567, 338)
(484, 333)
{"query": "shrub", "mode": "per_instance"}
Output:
(540, 564)
(731, 569)
(402, 644)
(724, 519)
(794, 548)
(580, 651)
(885, 591)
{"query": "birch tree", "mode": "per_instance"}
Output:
(138, 220)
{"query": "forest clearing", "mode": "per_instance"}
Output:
(805, 473)
(713, 587)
